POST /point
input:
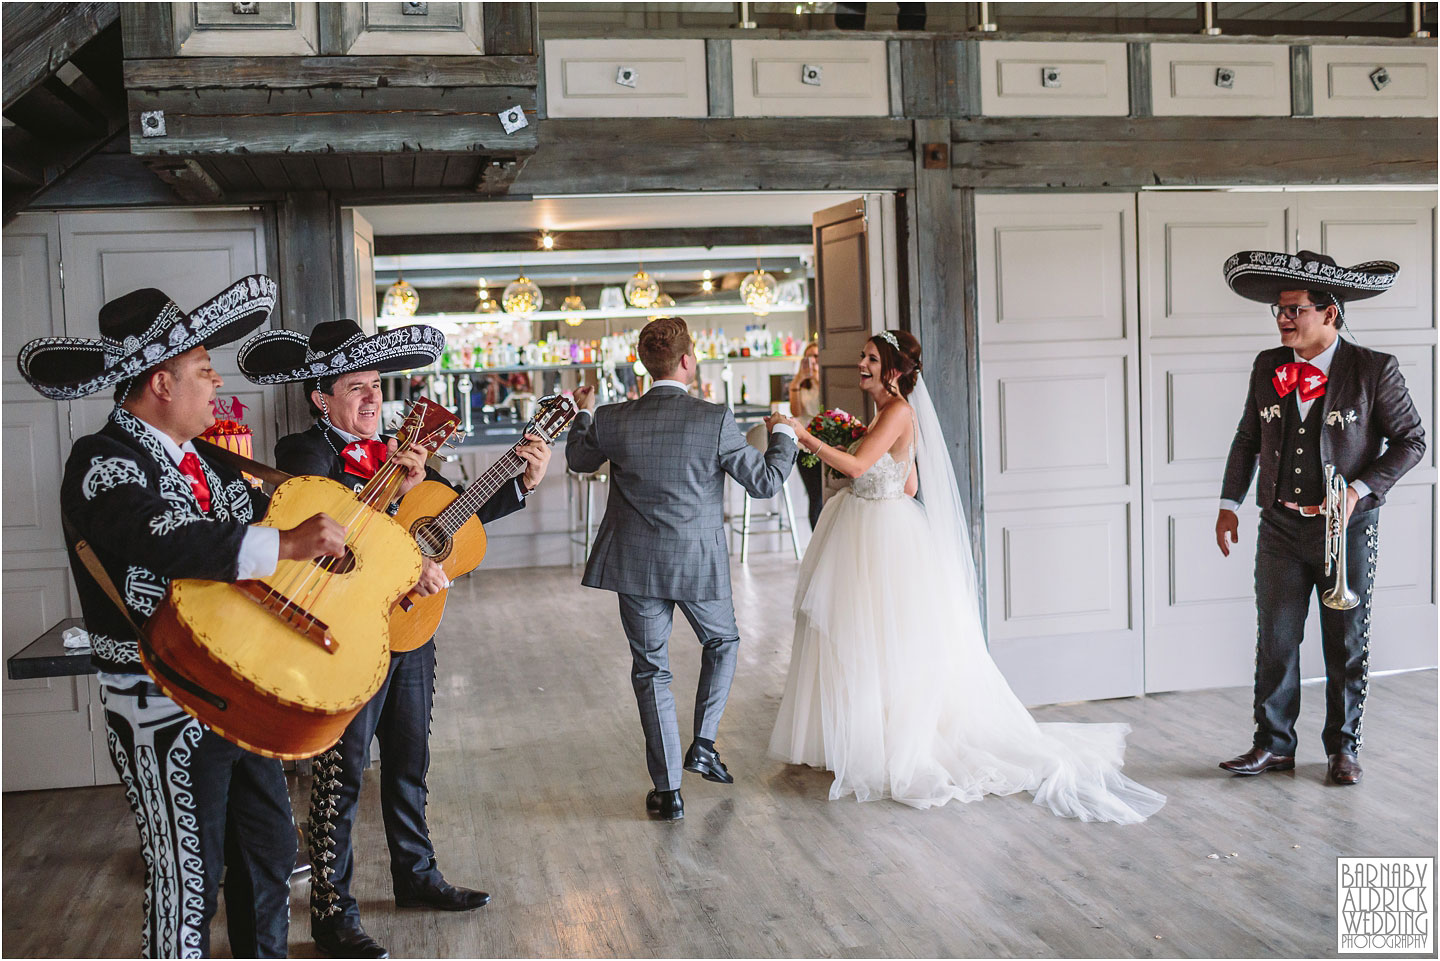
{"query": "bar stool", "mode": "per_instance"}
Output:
(586, 484)
(758, 438)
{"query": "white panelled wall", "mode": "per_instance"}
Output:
(54, 735)
(1114, 362)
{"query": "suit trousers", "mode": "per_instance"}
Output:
(814, 480)
(203, 805)
(1289, 571)
(399, 715)
(647, 622)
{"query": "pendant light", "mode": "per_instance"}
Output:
(641, 290)
(758, 291)
(573, 304)
(522, 296)
(401, 300)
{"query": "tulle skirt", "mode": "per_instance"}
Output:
(891, 686)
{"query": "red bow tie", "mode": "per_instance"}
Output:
(1306, 377)
(364, 457)
(190, 467)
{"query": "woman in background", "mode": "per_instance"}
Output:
(805, 404)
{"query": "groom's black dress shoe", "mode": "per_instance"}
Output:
(442, 897)
(1258, 761)
(705, 762)
(665, 805)
(347, 940)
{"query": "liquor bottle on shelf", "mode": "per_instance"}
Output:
(744, 392)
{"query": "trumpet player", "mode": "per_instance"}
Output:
(1318, 404)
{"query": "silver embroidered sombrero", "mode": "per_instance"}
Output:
(141, 330)
(1261, 275)
(336, 347)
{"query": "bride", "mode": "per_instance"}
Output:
(890, 683)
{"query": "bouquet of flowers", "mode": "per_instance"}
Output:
(834, 427)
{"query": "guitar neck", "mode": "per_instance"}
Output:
(461, 508)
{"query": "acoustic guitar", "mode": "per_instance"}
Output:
(447, 531)
(281, 664)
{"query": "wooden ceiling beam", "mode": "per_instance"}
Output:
(477, 243)
(195, 73)
(40, 38)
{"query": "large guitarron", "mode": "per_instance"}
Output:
(447, 531)
(280, 665)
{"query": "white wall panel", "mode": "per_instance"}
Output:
(1346, 84)
(1220, 79)
(810, 78)
(667, 78)
(1053, 79)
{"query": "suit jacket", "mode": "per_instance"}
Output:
(663, 534)
(316, 452)
(123, 494)
(1366, 407)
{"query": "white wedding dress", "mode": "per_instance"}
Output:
(890, 683)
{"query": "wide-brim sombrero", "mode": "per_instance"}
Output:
(141, 330)
(1261, 275)
(336, 347)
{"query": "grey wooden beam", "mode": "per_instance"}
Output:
(187, 178)
(720, 78)
(37, 39)
(967, 73)
(1135, 152)
(584, 155)
(325, 120)
(497, 175)
(148, 29)
(510, 28)
(1302, 88)
(477, 243)
(308, 72)
(941, 315)
(1141, 91)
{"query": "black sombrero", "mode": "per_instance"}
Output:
(336, 347)
(1261, 275)
(138, 331)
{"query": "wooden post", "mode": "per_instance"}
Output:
(308, 242)
(942, 302)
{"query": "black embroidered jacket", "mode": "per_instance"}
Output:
(1369, 428)
(317, 452)
(123, 494)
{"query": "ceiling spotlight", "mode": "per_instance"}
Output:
(547, 240)
(707, 284)
(706, 275)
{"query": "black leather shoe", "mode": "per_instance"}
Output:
(665, 805)
(442, 897)
(1344, 769)
(706, 763)
(1258, 761)
(347, 940)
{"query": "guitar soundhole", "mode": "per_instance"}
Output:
(343, 564)
(434, 543)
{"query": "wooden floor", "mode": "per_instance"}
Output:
(537, 788)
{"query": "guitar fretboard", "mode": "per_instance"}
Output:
(461, 508)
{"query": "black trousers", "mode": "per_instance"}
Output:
(399, 715)
(1289, 571)
(814, 489)
(203, 805)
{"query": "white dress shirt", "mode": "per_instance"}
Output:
(785, 429)
(1321, 361)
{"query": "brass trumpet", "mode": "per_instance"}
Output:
(1337, 515)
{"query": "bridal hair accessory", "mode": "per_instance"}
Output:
(889, 338)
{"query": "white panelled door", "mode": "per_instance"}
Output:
(48, 741)
(1060, 424)
(191, 255)
(1353, 227)
(53, 734)
(1198, 342)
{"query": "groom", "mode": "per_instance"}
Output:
(662, 541)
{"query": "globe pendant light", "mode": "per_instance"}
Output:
(522, 296)
(641, 290)
(401, 300)
(758, 291)
(574, 304)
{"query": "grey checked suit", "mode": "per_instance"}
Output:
(662, 542)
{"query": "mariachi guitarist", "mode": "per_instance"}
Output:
(143, 503)
(342, 367)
